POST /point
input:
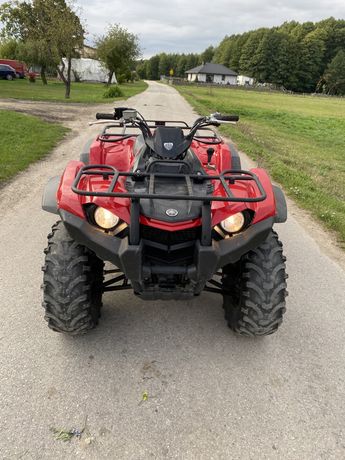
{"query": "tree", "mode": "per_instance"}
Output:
(312, 55)
(249, 58)
(164, 64)
(181, 66)
(208, 54)
(9, 49)
(152, 68)
(69, 38)
(334, 76)
(49, 31)
(141, 70)
(118, 50)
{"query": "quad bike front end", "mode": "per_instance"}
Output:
(171, 228)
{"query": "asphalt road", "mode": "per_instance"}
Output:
(211, 394)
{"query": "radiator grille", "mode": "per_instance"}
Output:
(170, 238)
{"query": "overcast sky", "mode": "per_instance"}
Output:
(192, 25)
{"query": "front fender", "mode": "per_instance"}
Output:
(49, 198)
(281, 207)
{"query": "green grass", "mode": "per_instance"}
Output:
(300, 140)
(24, 139)
(55, 91)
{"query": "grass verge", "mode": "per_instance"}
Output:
(55, 91)
(24, 139)
(300, 140)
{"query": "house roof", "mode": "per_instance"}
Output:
(214, 69)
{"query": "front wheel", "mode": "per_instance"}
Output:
(9, 77)
(72, 284)
(254, 290)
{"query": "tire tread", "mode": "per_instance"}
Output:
(72, 284)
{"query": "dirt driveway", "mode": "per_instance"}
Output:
(66, 113)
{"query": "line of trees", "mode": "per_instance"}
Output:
(305, 57)
(177, 64)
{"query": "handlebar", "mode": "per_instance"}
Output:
(105, 116)
(220, 117)
(133, 117)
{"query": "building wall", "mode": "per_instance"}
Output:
(218, 79)
(199, 77)
(202, 77)
(224, 80)
(243, 80)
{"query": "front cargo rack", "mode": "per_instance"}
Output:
(229, 176)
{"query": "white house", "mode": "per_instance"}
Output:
(243, 80)
(212, 73)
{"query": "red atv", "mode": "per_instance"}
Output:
(170, 208)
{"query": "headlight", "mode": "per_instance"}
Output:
(105, 219)
(234, 223)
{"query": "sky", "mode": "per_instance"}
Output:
(193, 25)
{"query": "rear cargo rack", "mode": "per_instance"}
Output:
(208, 137)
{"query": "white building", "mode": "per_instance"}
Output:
(212, 73)
(90, 70)
(243, 80)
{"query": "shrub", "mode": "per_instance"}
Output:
(32, 77)
(121, 78)
(113, 91)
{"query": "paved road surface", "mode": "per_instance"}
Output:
(211, 395)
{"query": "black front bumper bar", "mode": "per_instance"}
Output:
(129, 257)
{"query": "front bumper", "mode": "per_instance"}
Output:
(129, 258)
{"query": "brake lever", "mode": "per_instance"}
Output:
(102, 122)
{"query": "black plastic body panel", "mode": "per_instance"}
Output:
(49, 201)
(129, 258)
(235, 158)
(281, 205)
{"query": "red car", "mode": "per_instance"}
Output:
(19, 67)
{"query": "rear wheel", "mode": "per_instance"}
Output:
(255, 290)
(9, 77)
(72, 284)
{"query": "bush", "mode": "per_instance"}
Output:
(121, 78)
(113, 91)
(32, 77)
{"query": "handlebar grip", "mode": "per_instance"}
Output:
(105, 116)
(227, 117)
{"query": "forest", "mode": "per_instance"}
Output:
(300, 57)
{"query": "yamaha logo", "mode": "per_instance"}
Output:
(168, 145)
(171, 212)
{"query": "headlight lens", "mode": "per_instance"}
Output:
(234, 223)
(105, 219)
